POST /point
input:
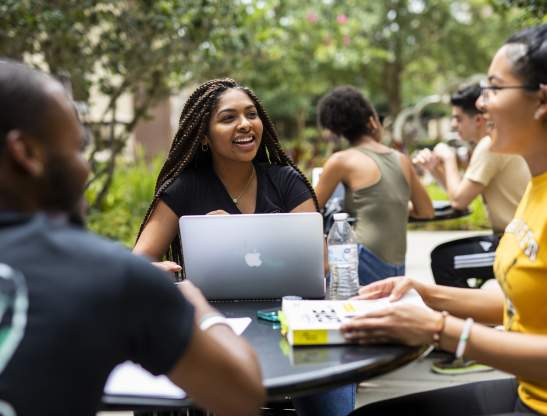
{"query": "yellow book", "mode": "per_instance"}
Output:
(317, 322)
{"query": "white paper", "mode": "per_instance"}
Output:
(239, 324)
(130, 379)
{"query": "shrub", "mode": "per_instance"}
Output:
(123, 209)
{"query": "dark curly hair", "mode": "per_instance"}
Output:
(193, 125)
(345, 112)
(529, 56)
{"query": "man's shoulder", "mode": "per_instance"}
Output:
(484, 153)
(79, 244)
(86, 242)
(483, 147)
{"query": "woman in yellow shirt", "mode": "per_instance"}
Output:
(515, 102)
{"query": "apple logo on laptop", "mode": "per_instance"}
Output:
(253, 259)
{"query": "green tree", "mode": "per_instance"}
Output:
(145, 48)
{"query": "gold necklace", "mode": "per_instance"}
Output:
(237, 198)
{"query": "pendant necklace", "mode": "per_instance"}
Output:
(237, 198)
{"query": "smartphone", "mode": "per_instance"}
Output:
(268, 314)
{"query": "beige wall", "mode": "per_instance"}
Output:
(154, 133)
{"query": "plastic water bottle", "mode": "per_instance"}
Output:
(343, 259)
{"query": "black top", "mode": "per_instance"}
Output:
(198, 191)
(91, 305)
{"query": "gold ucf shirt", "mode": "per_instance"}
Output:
(521, 270)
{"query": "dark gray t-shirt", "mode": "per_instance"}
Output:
(91, 305)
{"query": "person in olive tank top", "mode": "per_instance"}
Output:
(382, 188)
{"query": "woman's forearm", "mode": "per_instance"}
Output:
(520, 354)
(481, 305)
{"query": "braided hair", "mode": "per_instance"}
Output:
(193, 125)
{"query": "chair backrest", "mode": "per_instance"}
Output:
(334, 204)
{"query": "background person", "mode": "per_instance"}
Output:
(500, 178)
(73, 305)
(515, 104)
(380, 182)
(226, 158)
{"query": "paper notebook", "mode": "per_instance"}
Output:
(130, 379)
(317, 322)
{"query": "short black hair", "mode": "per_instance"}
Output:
(345, 112)
(23, 100)
(531, 63)
(466, 97)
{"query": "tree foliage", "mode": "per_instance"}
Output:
(290, 51)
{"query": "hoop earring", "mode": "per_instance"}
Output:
(204, 147)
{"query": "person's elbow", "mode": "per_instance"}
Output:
(427, 212)
(422, 211)
(221, 373)
(251, 394)
(255, 392)
(254, 400)
(459, 204)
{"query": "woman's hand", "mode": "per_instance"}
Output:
(168, 266)
(218, 212)
(394, 287)
(405, 323)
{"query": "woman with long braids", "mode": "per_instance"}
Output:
(514, 100)
(226, 158)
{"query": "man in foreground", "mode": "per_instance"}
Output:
(72, 305)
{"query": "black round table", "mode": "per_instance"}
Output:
(291, 371)
(443, 211)
(298, 371)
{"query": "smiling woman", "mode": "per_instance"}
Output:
(226, 159)
(515, 105)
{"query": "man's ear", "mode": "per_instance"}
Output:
(25, 152)
(479, 120)
(373, 123)
(541, 111)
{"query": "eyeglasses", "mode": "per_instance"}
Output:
(486, 88)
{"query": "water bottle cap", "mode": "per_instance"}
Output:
(340, 216)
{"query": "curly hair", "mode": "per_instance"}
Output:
(193, 126)
(345, 112)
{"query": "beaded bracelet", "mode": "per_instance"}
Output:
(437, 335)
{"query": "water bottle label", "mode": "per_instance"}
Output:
(343, 253)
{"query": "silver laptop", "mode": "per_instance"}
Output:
(257, 256)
